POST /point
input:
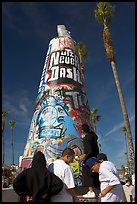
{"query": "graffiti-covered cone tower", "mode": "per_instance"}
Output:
(61, 105)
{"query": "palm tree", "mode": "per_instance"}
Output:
(4, 115)
(82, 53)
(12, 123)
(94, 118)
(125, 133)
(104, 14)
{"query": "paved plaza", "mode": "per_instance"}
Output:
(8, 195)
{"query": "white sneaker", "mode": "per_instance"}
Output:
(89, 194)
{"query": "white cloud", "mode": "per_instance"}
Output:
(19, 110)
(23, 108)
(114, 129)
(118, 126)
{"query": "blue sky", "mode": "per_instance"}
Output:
(27, 28)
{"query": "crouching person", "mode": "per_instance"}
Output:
(110, 185)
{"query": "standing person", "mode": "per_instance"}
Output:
(61, 168)
(91, 149)
(111, 187)
(133, 193)
(37, 182)
(128, 187)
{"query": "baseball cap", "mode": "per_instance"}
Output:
(90, 162)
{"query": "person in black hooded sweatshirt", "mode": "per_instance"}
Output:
(37, 182)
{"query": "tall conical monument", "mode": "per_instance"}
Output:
(61, 105)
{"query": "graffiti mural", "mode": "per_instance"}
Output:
(61, 104)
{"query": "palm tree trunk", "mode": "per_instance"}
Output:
(3, 124)
(82, 68)
(126, 149)
(111, 56)
(12, 146)
(94, 125)
(125, 114)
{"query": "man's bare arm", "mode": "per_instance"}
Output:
(72, 192)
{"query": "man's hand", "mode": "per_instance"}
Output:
(75, 199)
(82, 157)
(103, 193)
(106, 190)
(28, 198)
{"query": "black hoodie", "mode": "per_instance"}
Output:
(37, 181)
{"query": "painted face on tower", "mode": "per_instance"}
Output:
(51, 121)
(53, 115)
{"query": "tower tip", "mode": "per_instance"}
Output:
(62, 31)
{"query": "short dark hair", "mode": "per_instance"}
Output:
(101, 156)
(85, 127)
(68, 151)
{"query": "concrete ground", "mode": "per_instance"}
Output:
(8, 195)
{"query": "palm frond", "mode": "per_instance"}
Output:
(12, 123)
(104, 12)
(82, 50)
(4, 114)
